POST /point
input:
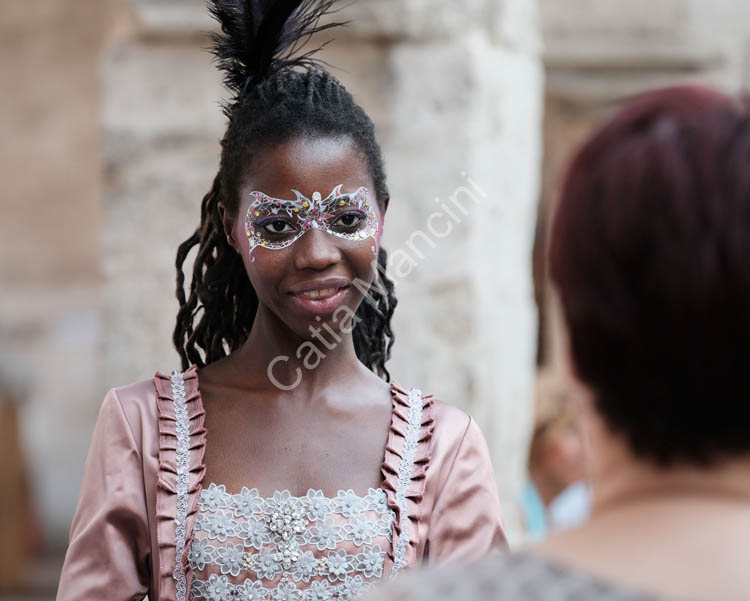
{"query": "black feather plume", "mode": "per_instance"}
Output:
(261, 37)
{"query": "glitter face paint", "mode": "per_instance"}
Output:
(275, 223)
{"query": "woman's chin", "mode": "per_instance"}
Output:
(325, 329)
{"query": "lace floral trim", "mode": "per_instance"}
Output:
(291, 540)
(183, 470)
(411, 442)
(218, 588)
(313, 506)
(333, 566)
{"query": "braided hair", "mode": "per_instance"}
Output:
(276, 98)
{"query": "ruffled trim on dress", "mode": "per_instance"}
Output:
(407, 458)
(182, 445)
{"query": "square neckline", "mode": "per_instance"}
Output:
(181, 468)
(205, 484)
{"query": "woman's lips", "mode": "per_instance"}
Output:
(320, 301)
(320, 298)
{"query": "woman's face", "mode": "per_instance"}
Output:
(308, 230)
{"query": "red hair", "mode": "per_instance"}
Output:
(650, 252)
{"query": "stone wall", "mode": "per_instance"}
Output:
(51, 169)
(600, 52)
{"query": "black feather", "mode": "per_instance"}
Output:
(261, 37)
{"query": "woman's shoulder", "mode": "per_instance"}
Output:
(448, 430)
(452, 428)
(446, 416)
(141, 403)
(451, 421)
(134, 400)
(147, 412)
(142, 392)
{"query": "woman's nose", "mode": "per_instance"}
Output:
(316, 250)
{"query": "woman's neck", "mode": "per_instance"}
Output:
(620, 479)
(274, 354)
(728, 482)
(667, 532)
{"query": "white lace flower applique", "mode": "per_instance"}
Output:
(231, 558)
(201, 553)
(221, 525)
(348, 504)
(213, 497)
(254, 533)
(246, 503)
(317, 506)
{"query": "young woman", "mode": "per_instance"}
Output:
(280, 465)
(649, 251)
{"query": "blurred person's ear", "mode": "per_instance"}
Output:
(565, 453)
(583, 399)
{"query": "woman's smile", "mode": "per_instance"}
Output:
(321, 297)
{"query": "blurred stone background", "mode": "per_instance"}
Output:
(110, 127)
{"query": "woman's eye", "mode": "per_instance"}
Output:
(349, 220)
(278, 227)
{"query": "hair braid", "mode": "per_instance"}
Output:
(373, 337)
(219, 291)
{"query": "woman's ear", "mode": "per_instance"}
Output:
(227, 222)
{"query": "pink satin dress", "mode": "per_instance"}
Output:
(148, 524)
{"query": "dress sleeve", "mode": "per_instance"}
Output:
(466, 522)
(108, 555)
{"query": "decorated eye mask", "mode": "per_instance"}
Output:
(275, 223)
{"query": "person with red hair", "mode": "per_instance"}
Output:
(650, 254)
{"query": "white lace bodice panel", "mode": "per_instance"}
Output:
(287, 548)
